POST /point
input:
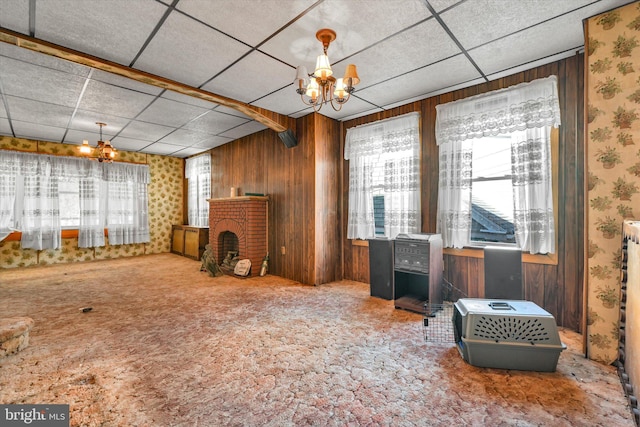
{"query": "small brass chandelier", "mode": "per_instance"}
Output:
(322, 87)
(105, 151)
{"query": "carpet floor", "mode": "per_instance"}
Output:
(168, 345)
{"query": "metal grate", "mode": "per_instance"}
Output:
(438, 318)
(437, 324)
(514, 329)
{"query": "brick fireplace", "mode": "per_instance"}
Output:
(240, 221)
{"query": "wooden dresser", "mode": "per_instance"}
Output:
(189, 241)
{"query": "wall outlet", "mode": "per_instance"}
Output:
(283, 250)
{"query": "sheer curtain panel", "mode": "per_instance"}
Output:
(384, 159)
(198, 174)
(526, 112)
(127, 203)
(92, 213)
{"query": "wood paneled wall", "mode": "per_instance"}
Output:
(557, 288)
(303, 188)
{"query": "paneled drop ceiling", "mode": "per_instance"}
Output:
(248, 50)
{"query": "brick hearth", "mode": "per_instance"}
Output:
(246, 217)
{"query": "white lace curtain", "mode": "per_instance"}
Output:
(526, 112)
(384, 159)
(112, 195)
(198, 174)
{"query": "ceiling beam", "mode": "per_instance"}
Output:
(62, 52)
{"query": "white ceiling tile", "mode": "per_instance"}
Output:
(46, 61)
(115, 30)
(533, 43)
(118, 101)
(244, 130)
(403, 53)
(231, 112)
(188, 51)
(440, 5)
(125, 82)
(37, 131)
(86, 121)
(285, 101)
(214, 123)
(271, 75)
(446, 73)
(145, 131)
(15, 15)
(30, 111)
(77, 136)
(185, 137)
(3, 111)
(5, 128)
(263, 17)
(353, 105)
(163, 149)
(170, 113)
(513, 16)
(39, 83)
(212, 142)
(358, 24)
(186, 99)
(129, 144)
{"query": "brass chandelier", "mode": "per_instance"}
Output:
(322, 87)
(105, 152)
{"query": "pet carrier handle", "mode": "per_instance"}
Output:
(500, 306)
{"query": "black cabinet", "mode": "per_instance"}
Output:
(417, 276)
(381, 268)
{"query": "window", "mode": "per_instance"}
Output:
(384, 178)
(492, 191)
(198, 174)
(40, 194)
(378, 214)
(475, 134)
(69, 193)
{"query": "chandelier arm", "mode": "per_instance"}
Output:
(339, 103)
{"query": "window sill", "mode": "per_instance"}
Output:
(548, 259)
(66, 234)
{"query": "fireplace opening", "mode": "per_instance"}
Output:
(228, 250)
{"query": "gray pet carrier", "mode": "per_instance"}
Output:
(506, 334)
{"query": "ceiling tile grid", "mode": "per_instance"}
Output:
(247, 50)
(188, 51)
(273, 75)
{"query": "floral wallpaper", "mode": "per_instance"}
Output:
(613, 164)
(165, 209)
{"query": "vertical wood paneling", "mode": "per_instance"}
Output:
(328, 248)
(557, 288)
(534, 285)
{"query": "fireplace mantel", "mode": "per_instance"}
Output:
(238, 199)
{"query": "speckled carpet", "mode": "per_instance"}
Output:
(168, 345)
